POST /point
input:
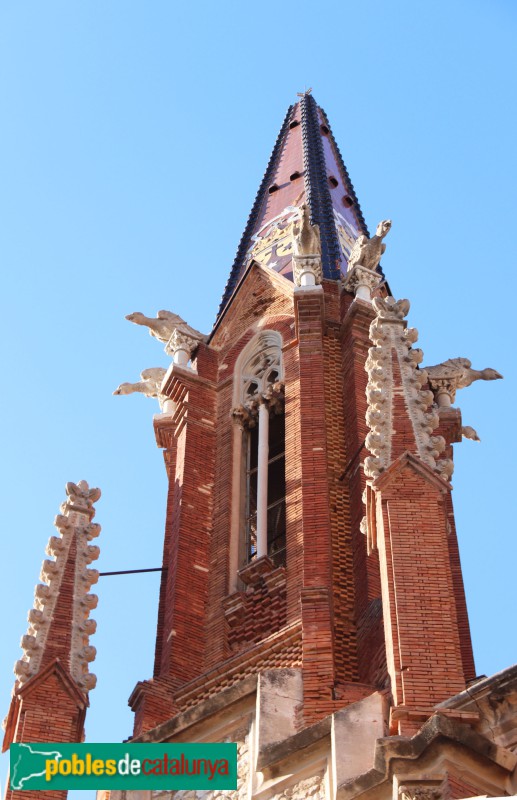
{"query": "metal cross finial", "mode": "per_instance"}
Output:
(304, 93)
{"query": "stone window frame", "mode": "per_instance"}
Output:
(252, 379)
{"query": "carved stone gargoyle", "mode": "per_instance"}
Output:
(368, 252)
(150, 384)
(306, 240)
(455, 373)
(164, 324)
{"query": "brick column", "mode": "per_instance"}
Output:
(189, 525)
(450, 428)
(316, 599)
(421, 630)
(355, 337)
(180, 653)
(164, 426)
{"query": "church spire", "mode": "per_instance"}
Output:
(306, 167)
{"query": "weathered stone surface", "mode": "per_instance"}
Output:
(355, 731)
(279, 694)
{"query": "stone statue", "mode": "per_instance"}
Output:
(150, 384)
(368, 252)
(163, 325)
(306, 236)
(456, 373)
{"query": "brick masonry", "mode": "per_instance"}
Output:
(330, 590)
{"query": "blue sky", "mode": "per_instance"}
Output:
(133, 140)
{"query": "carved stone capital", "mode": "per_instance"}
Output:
(245, 415)
(421, 791)
(181, 345)
(444, 390)
(307, 270)
(361, 281)
(274, 397)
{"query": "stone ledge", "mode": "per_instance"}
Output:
(203, 710)
(272, 754)
(393, 748)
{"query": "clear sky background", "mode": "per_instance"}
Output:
(133, 139)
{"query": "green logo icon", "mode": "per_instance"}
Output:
(58, 766)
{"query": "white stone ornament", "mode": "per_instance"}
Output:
(368, 252)
(306, 237)
(456, 373)
(307, 270)
(75, 526)
(361, 281)
(149, 385)
(163, 325)
(181, 345)
(391, 340)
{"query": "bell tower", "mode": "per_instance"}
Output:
(310, 548)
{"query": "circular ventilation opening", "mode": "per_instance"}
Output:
(273, 188)
(295, 175)
(294, 123)
(347, 201)
(333, 182)
(325, 131)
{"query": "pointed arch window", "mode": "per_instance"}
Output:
(260, 390)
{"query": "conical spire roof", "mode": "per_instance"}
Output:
(306, 166)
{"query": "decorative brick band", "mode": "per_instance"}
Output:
(282, 649)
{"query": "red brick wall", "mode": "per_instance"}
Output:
(417, 588)
(47, 711)
(256, 613)
(371, 658)
(450, 429)
(332, 587)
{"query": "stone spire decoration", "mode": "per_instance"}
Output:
(71, 554)
(57, 647)
(395, 386)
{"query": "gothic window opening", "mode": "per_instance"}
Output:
(261, 415)
(276, 491)
(276, 542)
